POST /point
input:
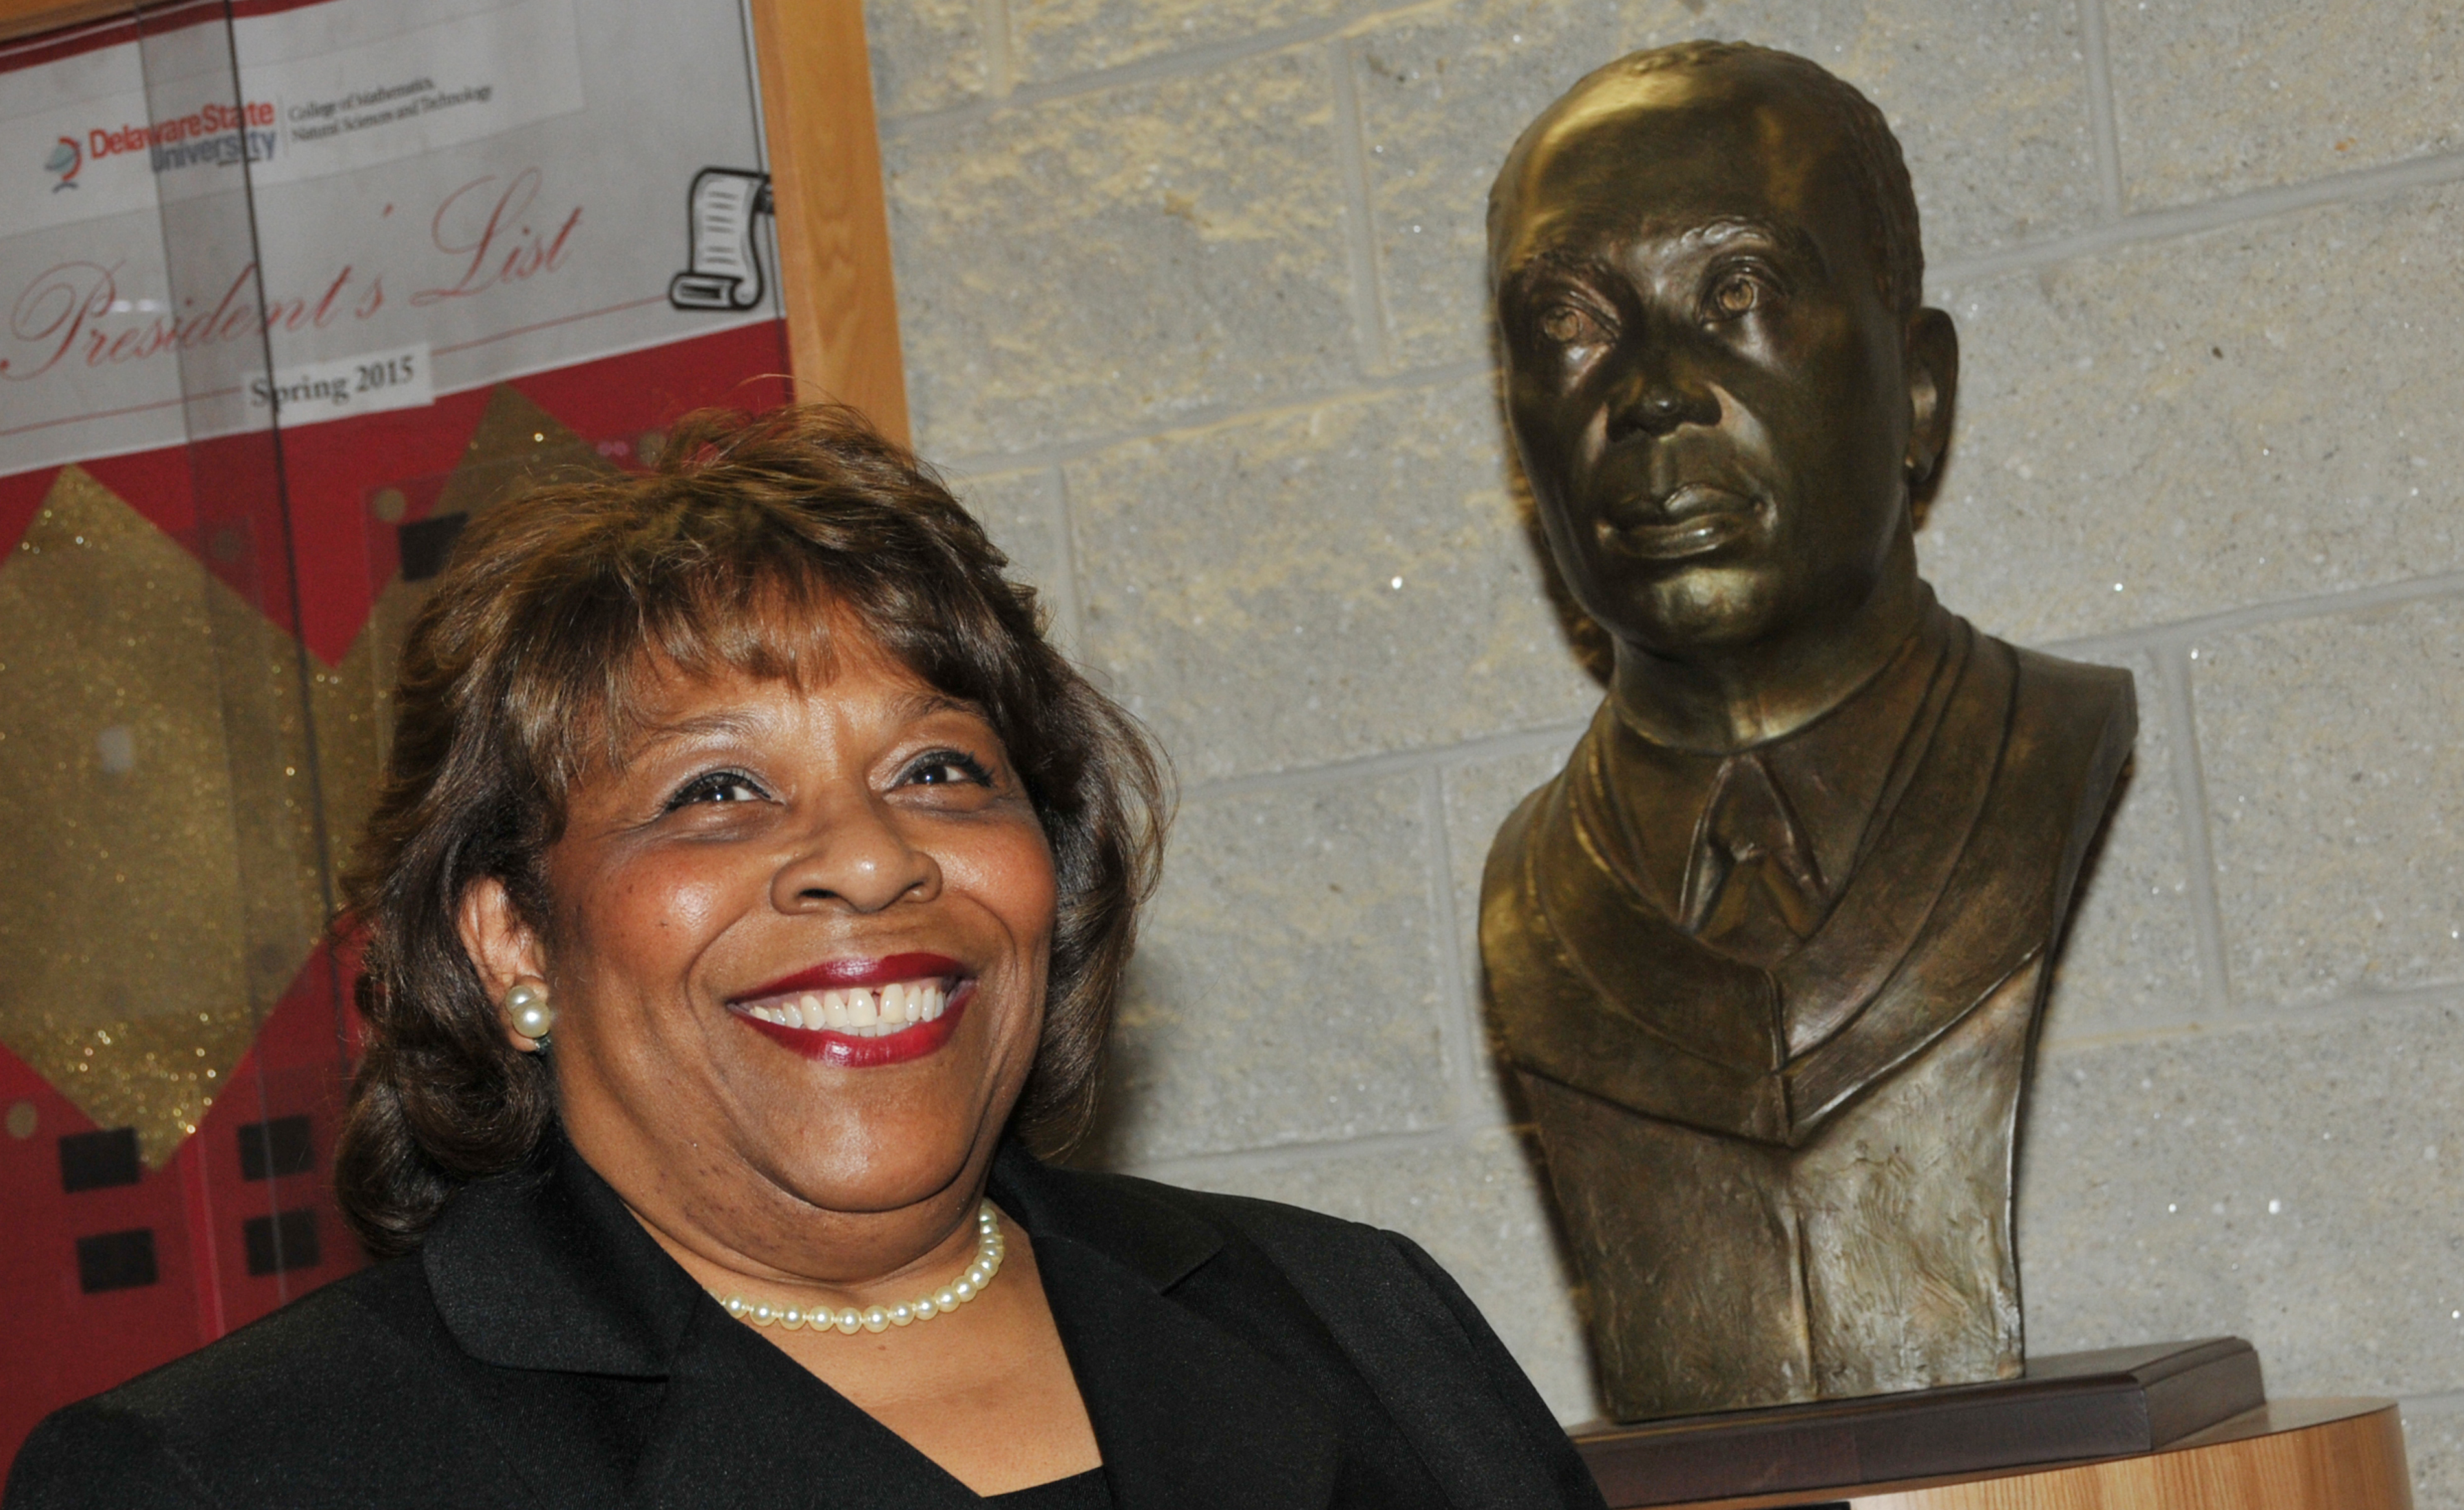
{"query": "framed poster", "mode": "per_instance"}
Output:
(290, 289)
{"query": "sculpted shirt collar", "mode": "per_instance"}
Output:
(1832, 777)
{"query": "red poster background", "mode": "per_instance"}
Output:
(61, 1344)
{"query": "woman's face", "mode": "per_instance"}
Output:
(798, 953)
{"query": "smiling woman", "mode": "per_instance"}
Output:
(690, 737)
(746, 904)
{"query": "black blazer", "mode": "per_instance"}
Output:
(540, 1349)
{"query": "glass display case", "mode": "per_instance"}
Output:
(293, 289)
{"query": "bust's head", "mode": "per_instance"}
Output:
(1722, 385)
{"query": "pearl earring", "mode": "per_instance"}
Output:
(528, 1007)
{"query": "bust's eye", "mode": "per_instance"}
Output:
(717, 787)
(1737, 293)
(1570, 325)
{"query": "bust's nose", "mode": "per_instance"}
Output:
(1659, 388)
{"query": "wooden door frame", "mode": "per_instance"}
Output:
(834, 272)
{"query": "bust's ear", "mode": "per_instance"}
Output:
(502, 947)
(1932, 367)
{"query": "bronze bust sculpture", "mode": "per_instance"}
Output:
(1766, 956)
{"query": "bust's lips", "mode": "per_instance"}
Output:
(1693, 519)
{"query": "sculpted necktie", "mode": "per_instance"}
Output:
(1752, 886)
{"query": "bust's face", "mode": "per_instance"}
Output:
(1712, 399)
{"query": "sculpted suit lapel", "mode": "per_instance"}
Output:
(2035, 812)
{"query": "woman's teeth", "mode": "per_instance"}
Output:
(860, 1011)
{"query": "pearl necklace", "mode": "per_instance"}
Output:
(881, 1317)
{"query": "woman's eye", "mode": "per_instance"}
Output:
(947, 768)
(1570, 325)
(1737, 294)
(719, 785)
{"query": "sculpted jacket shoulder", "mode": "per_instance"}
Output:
(1752, 1139)
(540, 1350)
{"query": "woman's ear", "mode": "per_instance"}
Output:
(503, 949)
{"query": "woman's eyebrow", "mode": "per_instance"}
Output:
(700, 728)
(729, 724)
(924, 704)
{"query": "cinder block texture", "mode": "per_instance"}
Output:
(2176, 429)
(1113, 260)
(1023, 513)
(1321, 584)
(1198, 293)
(2337, 800)
(2212, 100)
(1288, 986)
(2433, 1448)
(1055, 39)
(926, 54)
(1442, 93)
(1988, 100)
(2132, 959)
(1476, 1205)
(2291, 1182)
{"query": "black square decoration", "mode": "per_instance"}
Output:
(286, 1240)
(279, 1146)
(427, 542)
(92, 1160)
(116, 1260)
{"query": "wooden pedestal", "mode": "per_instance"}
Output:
(2065, 1408)
(2292, 1455)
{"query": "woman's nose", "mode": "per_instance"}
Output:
(857, 857)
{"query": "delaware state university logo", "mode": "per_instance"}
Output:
(66, 161)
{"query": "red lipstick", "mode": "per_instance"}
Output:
(852, 1051)
(840, 974)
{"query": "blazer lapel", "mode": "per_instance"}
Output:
(543, 1275)
(547, 1270)
(1188, 1416)
(745, 1426)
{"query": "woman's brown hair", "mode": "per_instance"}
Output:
(525, 667)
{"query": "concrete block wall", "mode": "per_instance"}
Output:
(1193, 308)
